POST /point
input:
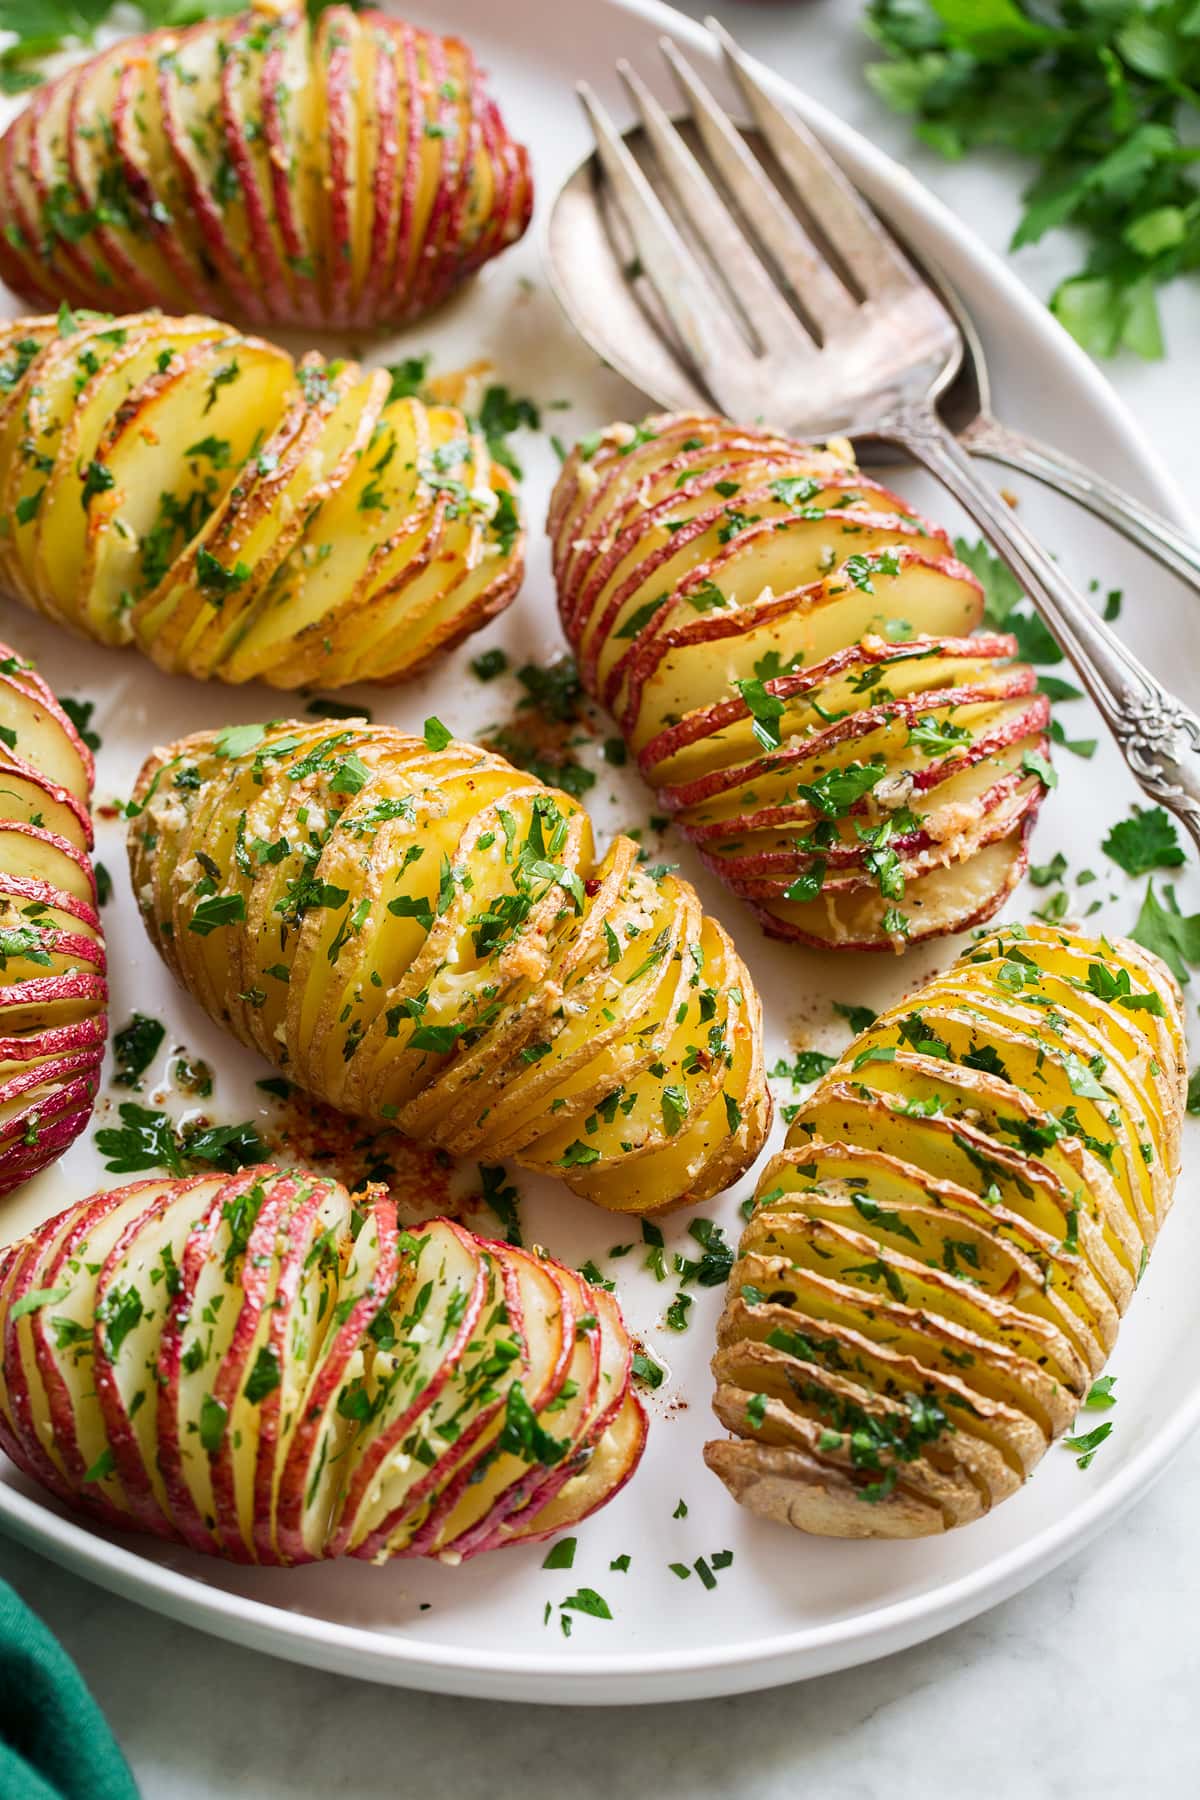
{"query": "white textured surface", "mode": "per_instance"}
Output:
(1083, 1685)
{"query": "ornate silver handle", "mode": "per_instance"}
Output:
(1157, 536)
(1159, 736)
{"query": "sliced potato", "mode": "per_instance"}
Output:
(53, 991)
(960, 1217)
(787, 649)
(351, 171)
(398, 927)
(263, 1368)
(171, 482)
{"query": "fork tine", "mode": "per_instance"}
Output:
(853, 233)
(818, 289)
(684, 290)
(770, 319)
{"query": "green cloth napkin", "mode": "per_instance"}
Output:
(54, 1742)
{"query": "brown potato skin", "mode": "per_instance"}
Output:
(923, 1298)
(426, 937)
(247, 517)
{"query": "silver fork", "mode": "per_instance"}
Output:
(825, 326)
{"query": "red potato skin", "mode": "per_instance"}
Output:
(21, 1441)
(15, 271)
(257, 1281)
(538, 1486)
(299, 1232)
(75, 262)
(902, 524)
(597, 528)
(246, 300)
(266, 1286)
(192, 1528)
(53, 1068)
(582, 573)
(131, 290)
(342, 127)
(293, 1482)
(555, 1375)
(779, 928)
(168, 232)
(800, 751)
(779, 818)
(306, 302)
(649, 647)
(375, 1544)
(627, 1474)
(387, 291)
(702, 724)
(764, 877)
(384, 1444)
(28, 267)
(270, 271)
(384, 186)
(139, 1493)
(59, 1404)
(554, 1480)
(761, 865)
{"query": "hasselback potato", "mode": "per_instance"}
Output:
(264, 1368)
(173, 483)
(419, 934)
(785, 646)
(937, 1263)
(52, 988)
(351, 172)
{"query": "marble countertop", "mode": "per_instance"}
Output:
(1084, 1685)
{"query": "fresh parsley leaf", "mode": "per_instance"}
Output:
(1146, 840)
(1090, 94)
(1162, 928)
(135, 1046)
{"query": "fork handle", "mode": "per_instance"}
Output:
(1158, 537)
(1158, 735)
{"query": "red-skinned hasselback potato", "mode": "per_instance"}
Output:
(348, 172)
(792, 655)
(52, 987)
(266, 1368)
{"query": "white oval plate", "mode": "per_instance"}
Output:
(786, 1606)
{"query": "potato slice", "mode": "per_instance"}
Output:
(123, 239)
(70, 237)
(188, 79)
(38, 422)
(62, 519)
(149, 173)
(202, 415)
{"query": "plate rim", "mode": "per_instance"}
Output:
(813, 1649)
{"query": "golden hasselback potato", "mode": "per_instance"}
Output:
(351, 172)
(419, 934)
(264, 1368)
(53, 994)
(787, 649)
(937, 1263)
(172, 483)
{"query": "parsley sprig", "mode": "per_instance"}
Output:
(1102, 95)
